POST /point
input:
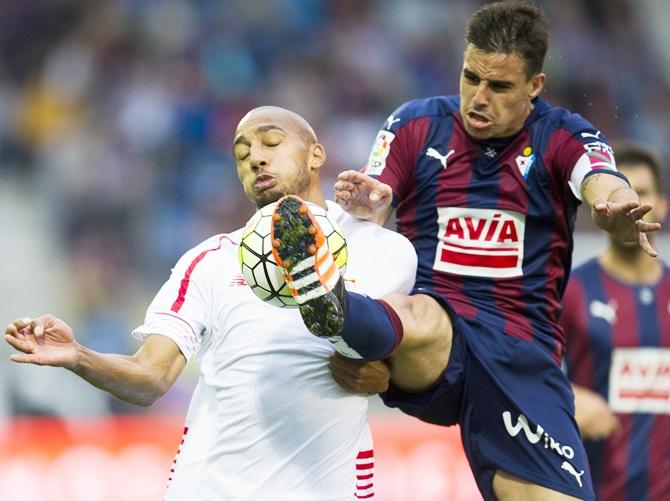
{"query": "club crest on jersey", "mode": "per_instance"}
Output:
(380, 150)
(525, 161)
(480, 242)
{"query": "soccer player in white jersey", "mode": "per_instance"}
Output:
(266, 420)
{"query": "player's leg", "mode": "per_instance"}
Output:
(416, 329)
(510, 488)
(424, 350)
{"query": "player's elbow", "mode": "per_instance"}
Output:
(148, 396)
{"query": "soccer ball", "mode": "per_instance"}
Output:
(259, 268)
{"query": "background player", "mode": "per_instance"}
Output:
(266, 420)
(616, 318)
(486, 186)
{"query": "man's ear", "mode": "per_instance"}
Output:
(537, 85)
(317, 156)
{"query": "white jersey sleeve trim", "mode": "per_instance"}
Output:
(171, 326)
(583, 166)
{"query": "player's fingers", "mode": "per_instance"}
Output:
(21, 323)
(640, 212)
(343, 366)
(26, 359)
(352, 176)
(647, 227)
(37, 326)
(343, 382)
(343, 186)
(379, 194)
(22, 345)
(626, 207)
(645, 245)
(600, 205)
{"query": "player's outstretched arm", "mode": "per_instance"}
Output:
(139, 379)
(364, 196)
(616, 208)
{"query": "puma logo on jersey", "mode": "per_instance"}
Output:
(605, 311)
(571, 470)
(433, 153)
(390, 121)
(480, 242)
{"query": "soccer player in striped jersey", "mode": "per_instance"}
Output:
(266, 420)
(486, 186)
(616, 319)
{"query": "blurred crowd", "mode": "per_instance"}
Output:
(116, 120)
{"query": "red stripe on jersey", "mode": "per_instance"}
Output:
(574, 322)
(366, 454)
(176, 306)
(365, 466)
(625, 331)
(617, 452)
(663, 310)
(461, 258)
(365, 477)
(659, 458)
(176, 456)
(364, 496)
(400, 171)
(483, 249)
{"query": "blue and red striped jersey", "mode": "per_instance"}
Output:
(491, 220)
(618, 345)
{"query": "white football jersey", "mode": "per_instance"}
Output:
(266, 420)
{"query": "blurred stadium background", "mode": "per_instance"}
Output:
(116, 119)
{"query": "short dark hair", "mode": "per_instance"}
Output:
(628, 153)
(511, 27)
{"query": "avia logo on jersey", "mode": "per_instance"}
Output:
(605, 311)
(541, 437)
(480, 242)
(380, 150)
(599, 153)
(640, 380)
(237, 280)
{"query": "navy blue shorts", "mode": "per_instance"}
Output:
(515, 407)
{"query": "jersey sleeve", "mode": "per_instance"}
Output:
(580, 151)
(180, 308)
(393, 156)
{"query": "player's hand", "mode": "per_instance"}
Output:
(362, 195)
(595, 419)
(358, 376)
(45, 340)
(623, 220)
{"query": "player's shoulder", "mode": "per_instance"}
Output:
(561, 118)
(586, 274)
(434, 106)
(218, 246)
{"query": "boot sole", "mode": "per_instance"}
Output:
(294, 235)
